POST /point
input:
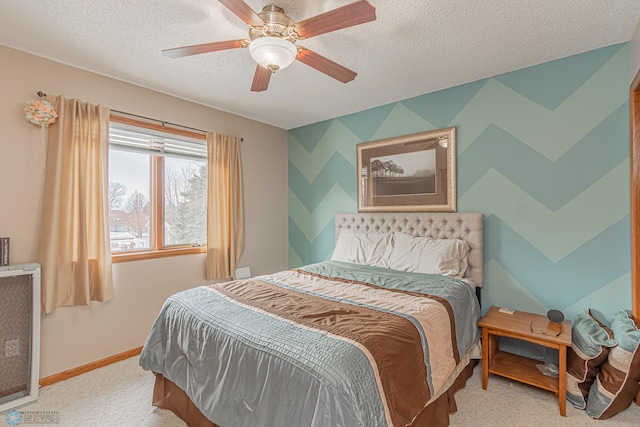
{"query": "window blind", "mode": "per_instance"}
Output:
(156, 143)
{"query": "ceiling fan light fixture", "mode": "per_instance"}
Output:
(273, 53)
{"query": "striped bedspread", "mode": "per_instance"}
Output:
(329, 344)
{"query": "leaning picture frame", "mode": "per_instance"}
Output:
(411, 173)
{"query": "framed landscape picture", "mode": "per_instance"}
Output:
(408, 173)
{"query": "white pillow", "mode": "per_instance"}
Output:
(364, 247)
(431, 256)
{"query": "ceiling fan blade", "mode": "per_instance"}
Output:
(352, 14)
(197, 49)
(243, 11)
(261, 79)
(327, 66)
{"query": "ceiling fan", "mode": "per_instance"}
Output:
(273, 36)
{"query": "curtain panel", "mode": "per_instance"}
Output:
(75, 251)
(225, 214)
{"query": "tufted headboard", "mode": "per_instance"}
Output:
(464, 226)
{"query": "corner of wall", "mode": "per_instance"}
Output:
(634, 53)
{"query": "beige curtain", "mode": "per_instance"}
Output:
(75, 252)
(225, 214)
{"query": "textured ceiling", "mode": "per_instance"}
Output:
(414, 47)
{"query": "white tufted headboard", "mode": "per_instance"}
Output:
(464, 226)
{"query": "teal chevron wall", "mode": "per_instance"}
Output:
(543, 153)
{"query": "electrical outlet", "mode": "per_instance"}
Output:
(242, 273)
(12, 348)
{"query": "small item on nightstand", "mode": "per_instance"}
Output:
(507, 310)
(548, 369)
(556, 316)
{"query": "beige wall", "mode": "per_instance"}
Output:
(634, 52)
(74, 336)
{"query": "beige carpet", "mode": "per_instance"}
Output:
(119, 395)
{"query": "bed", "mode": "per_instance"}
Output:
(329, 344)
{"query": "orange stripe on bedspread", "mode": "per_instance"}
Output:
(392, 340)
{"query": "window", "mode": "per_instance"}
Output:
(157, 190)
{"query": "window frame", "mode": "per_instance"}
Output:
(157, 203)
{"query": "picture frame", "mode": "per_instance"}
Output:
(411, 173)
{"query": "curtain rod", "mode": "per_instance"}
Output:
(162, 121)
(41, 94)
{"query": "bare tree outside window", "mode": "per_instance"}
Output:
(137, 214)
(117, 191)
(185, 208)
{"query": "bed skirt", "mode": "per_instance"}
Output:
(167, 395)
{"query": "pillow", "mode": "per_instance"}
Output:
(617, 382)
(590, 344)
(363, 247)
(431, 256)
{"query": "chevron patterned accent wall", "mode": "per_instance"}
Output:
(543, 153)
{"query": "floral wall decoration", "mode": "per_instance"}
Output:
(40, 112)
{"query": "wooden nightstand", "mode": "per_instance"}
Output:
(519, 368)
